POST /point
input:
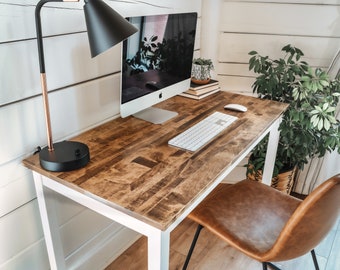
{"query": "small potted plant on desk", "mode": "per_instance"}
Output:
(201, 70)
(309, 127)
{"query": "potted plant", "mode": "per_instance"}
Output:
(309, 127)
(201, 68)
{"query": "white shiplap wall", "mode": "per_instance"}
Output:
(84, 92)
(266, 26)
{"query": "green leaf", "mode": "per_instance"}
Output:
(296, 117)
(305, 78)
(251, 63)
(332, 119)
(320, 124)
(295, 94)
(314, 86)
(324, 83)
(330, 109)
(318, 108)
(299, 52)
(325, 106)
(301, 116)
(310, 72)
(314, 119)
(286, 48)
(326, 124)
(316, 122)
(307, 84)
(315, 112)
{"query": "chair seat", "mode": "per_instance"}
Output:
(237, 213)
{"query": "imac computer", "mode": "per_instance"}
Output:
(156, 64)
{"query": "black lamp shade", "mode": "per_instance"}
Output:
(105, 27)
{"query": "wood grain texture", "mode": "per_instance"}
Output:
(133, 168)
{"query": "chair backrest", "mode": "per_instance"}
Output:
(310, 222)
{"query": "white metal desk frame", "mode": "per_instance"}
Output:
(158, 240)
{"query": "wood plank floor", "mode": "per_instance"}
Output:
(213, 254)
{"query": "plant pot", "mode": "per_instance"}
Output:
(283, 181)
(200, 82)
(200, 74)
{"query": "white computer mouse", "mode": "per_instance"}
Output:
(235, 107)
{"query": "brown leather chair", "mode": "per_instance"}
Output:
(265, 224)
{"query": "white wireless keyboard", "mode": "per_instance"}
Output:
(202, 132)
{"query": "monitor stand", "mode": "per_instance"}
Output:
(155, 115)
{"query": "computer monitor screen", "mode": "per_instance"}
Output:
(156, 63)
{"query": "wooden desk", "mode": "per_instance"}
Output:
(137, 180)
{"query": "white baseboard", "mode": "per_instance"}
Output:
(101, 250)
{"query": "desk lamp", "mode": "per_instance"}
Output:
(105, 28)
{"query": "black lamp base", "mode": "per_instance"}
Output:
(66, 156)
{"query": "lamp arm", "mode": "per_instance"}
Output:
(42, 68)
(99, 17)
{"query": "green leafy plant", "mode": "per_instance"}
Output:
(201, 69)
(203, 62)
(309, 127)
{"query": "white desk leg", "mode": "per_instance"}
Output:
(158, 250)
(271, 152)
(49, 224)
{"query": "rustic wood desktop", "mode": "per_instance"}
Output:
(136, 179)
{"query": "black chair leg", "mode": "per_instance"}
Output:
(271, 266)
(264, 264)
(198, 230)
(315, 261)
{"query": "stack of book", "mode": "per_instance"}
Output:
(199, 91)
